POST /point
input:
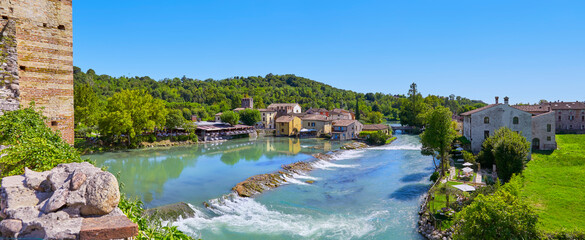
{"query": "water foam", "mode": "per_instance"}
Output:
(411, 146)
(348, 154)
(327, 165)
(293, 180)
(305, 177)
(245, 215)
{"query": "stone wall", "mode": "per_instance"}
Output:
(9, 89)
(44, 44)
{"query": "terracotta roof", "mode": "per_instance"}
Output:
(265, 110)
(274, 105)
(314, 117)
(534, 109)
(375, 127)
(479, 109)
(567, 105)
(218, 114)
(343, 122)
(339, 110)
(238, 109)
(285, 119)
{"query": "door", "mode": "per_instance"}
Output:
(536, 144)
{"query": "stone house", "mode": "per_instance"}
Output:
(284, 108)
(341, 114)
(288, 126)
(346, 129)
(268, 119)
(217, 117)
(569, 116)
(481, 123)
(318, 123)
(377, 127)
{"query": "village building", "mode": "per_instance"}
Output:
(346, 129)
(321, 111)
(341, 114)
(569, 116)
(217, 117)
(283, 109)
(268, 119)
(288, 126)
(213, 131)
(481, 123)
(377, 128)
(315, 125)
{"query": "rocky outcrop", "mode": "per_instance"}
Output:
(9, 79)
(54, 204)
(171, 212)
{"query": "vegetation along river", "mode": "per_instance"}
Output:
(371, 193)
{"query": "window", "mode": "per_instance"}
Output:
(560, 111)
(486, 134)
(559, 118)
(582, 118)
(515, 120)
(548, 138)
(486, 120)
(54, 123)
(61, 27)
(571, 126)
(548, 128)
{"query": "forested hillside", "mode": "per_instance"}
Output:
(205, 98)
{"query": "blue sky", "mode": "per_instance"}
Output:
(527, 50)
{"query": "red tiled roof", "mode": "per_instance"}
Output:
(343, 122)
(567, 105)
(282, 105)
(479, 109)
(314, 117)
(285, 119)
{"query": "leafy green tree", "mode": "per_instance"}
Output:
(375, 117)
(187, 113)
(87, 108)
(439, 134)
(498, 216)
(33, 144)
(174, 119)
(357, 108)
(250, 116)
(132, 112)
(413, 108)
(230, 117)
(510, 154)
(506, 149)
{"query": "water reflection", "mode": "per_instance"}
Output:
(205, 169)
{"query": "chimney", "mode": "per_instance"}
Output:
(506, 100)
(497, 99)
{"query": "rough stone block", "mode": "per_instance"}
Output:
(108, 227)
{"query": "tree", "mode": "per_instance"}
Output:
(357, 108)
(132, 112)
(439, 134)
(87, 108)
(230, 117)
(498, 216)
(375, 117)
(413, 108)
(250, 116)
(187, 114)
(510, 154)
(506, 149)
(174, 119)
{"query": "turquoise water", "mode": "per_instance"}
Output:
(362, 194)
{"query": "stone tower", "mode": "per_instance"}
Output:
(36, 59)
(247, 103)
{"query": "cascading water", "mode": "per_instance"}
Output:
(372, 193)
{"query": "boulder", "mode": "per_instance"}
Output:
(101, 195)
(78, 178)
(57, 201)
(36, 180)
(10, 227)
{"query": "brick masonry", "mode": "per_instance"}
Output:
(44, 46)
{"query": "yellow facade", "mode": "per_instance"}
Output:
(288, 128)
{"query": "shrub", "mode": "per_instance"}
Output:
(250, 116)
(34, 145)
(377, 138)
(230, 117)
(435, 176)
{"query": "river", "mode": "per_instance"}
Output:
(372, 193)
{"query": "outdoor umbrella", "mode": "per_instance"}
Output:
(467, 169)
(464, 187)
(467, 164)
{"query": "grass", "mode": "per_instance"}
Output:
(554, 183)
